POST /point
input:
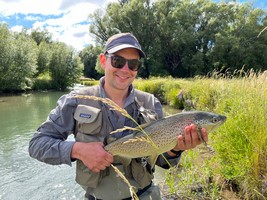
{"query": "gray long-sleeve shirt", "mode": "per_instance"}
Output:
(49, 143)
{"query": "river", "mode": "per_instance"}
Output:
(24, 178)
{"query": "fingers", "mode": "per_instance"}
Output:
(104, 160)
(192, 138)
(93, 155)
(100, 166)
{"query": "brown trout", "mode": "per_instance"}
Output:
(163, 133)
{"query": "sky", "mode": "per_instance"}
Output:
(66, 20)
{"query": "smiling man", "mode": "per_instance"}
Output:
(91, 121)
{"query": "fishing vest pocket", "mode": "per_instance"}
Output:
(141, 174)
(89, 119)
(85, 177)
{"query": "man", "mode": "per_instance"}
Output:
(91, 121)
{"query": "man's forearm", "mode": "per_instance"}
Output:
(50, 150)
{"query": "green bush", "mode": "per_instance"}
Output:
(43, 82)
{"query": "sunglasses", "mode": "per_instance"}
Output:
(119, 62)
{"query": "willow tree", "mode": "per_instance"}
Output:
(135, 16)
(65, 66)
(18, 60)
(184, 38)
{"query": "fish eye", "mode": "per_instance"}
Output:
(214, 119)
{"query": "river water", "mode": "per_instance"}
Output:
(24, 178)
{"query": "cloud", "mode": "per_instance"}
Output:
(66, 20)
(69, 3)
(17, 28)
(30, 7)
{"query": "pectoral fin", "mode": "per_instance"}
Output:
(152, 159)
(123, 160)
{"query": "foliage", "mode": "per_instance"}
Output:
(19, 60)
(240, 160)
(65, 66)
(188, 38)
(89, 56)
(236, 157)
(43, 82)
(40, 36)
(27, 56)
(44, 57)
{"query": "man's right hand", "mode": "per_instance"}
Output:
(92, 154)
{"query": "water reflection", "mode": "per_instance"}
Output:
(21, 176)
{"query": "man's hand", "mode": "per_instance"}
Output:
(92, 154)
(190, 139)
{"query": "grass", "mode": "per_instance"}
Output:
(239, 158)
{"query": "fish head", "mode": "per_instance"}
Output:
(208, 120)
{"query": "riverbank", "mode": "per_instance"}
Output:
(227, 192)
(238, 165)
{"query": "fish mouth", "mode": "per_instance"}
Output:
(212, 127)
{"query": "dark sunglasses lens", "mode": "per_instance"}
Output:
(134, 65)
(117, 62)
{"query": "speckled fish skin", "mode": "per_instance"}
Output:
(163, 133)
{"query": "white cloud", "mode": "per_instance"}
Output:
(69, 3)
(30, 7)
(66, 20)
(17, 28)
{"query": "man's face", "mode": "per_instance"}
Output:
(115, 78)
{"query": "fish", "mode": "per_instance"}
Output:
(161, 136)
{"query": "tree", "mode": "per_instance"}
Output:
(184, 38)
(89, 57)
(65, 66)
(19, 60)
(41, 36)
(5, 54)
(44, 57)
(135, 16)
(238, 46)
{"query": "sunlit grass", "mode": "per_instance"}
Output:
(239, 159)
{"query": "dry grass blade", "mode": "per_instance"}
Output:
(125, 128)
(114, 106)
(142, 139)
(107, 101)
(131, 188)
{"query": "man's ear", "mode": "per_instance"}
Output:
(102, 59)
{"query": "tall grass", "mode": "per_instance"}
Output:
(239, 159)
(241, 146)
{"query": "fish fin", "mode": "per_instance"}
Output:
(152, 159)
(143, 126)
(124, 160)
(108, 139)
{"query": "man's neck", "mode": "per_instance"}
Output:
(118, 96)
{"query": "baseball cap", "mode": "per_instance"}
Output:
(122, 41)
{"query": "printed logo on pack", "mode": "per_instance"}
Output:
(85, 115)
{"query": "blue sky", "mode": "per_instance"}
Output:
(67, 20)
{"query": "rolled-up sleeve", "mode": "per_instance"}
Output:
(49, 143)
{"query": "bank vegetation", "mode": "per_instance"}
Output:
(234, 165)
(181, 39)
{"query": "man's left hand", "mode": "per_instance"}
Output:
(190, 139)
